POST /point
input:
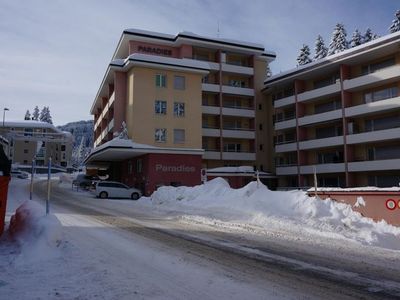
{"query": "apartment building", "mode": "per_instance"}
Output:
(37, 140)
(177, 93)
(340, 116)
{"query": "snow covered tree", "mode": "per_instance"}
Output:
(395, 23)
(368, 35)
(45, 115)
(304, 56)
(320, 50)
(356, 39)
(339, 42)
(35, 114)
(27, 115)
(268, 72)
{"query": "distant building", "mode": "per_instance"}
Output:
(341, 116)
(30, 140)
(181, 93)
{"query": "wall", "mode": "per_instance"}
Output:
(140, 115)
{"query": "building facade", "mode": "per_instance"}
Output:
(339, 116)
(184, 92)
(30, 140)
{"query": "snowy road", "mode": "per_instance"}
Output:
(117, 249)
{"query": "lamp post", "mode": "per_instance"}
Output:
(4, 114)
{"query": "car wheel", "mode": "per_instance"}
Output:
(135, 196)
(103, 195)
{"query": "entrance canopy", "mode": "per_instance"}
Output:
(120, 149)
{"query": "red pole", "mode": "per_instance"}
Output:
(4, 180)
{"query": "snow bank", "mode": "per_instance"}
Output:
(255, 204)
(38, 234)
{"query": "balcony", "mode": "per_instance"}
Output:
(211, 132)
(210, 110)
(211, 154)
(374, 165)
(210, 87)
(229, 68)
(320, 118)
(321, 143)
(286, 170)
(319, 93)
(373, 136)
(373, 107)
(379, 77)
(233, 90)
(238, 112)
(229, 111)
(239, 133)
(285, 124)
(105, 110)
(287, 147)
(323, 168)
(239, 155)
(284, 102)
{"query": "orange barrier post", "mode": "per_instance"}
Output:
(4, 181)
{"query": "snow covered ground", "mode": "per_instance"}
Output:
(254, 205)
(74, 255)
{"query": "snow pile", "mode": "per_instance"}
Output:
(38, 234)
(255, 204)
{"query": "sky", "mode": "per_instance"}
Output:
(55, 52)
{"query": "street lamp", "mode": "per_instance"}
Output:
(4, 114)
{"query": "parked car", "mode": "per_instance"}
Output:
(19, 174)
(85, 181)
(113, 189)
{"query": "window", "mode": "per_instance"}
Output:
(179, 109)
(62, 147)
(261, 147)
(160, 107)
(329, 106)
(327, 81)
(160, 135)
(259, 106)
(326, 132)
(260, 127)
(161, 80)
(231, 147)
(179, 136)
(330, 157)
(130, 168)
(384, 180)
(382, 123)
(26, 151)
(139, 165)
(179, 82)
(378, 66)
(381, 94)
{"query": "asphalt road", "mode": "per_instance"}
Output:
(310, 275)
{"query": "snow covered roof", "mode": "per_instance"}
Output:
(336, 59)
(356, 189)
(31, 124)
(185, 35)
(237, 171)
(121, 149)
(162, 61)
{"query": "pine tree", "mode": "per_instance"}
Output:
(27, 115)
(304, 56)
(35, 115)
(339, 42)
(320, 50)
(49, 119)
(395, 23)
(368, 35)
(45, 115)
(356, 39)
(42, 115)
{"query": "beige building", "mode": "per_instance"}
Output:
(30, 140)
(187, 91)
(341, 116)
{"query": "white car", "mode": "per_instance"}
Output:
(113, 189)
(19, 174)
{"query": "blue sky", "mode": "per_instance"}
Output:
(54, 53)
